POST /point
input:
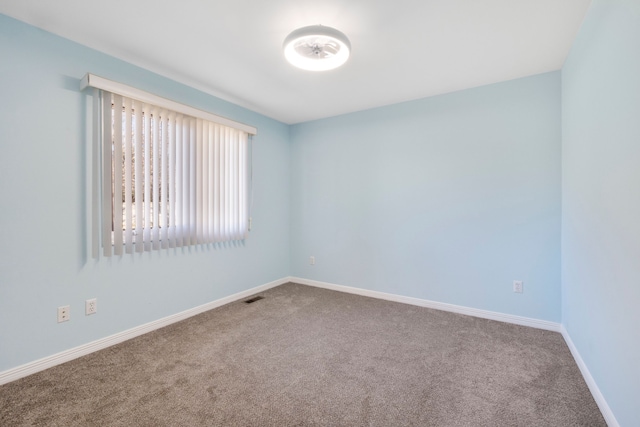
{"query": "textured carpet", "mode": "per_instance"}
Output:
(304, 356)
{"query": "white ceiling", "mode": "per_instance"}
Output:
(401, 49)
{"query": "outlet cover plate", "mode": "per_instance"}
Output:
(91, 306)
(64, 313)
(518, 286)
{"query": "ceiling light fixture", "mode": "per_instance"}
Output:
(317, 48)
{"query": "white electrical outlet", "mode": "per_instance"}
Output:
(64, 313)
(91, 306)
(312, 260)
(517, 286)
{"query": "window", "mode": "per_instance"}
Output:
(171, 175)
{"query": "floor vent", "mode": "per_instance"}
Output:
(254, 299)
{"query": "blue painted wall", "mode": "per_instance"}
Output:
(601, 201)
(43, 262)
(448, 198)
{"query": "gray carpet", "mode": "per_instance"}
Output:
(304, 356)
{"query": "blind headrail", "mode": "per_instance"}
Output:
(91, 80)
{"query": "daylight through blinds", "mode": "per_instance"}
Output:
(169, 179)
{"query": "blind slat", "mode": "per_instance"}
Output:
(139, 176)
(211, 168)
(243, 221)
(193, 187)
(95, 177)
(227, 185)
(156, 173)
(186, 174)
(217, 210)
(235, 224)
(128, 195)
(198, 175)
(117, 175)
(164, 218)
(172, 180)
(179, 179)
(205, 183)
(107, 181)
(147, 176)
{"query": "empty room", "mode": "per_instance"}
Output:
(320, 213)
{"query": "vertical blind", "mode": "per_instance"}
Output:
(169, 179)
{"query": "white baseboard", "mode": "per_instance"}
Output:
(82, 350)
(591, 383)
(475, 312)
(76, 352)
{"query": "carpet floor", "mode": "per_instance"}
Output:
(305, 356)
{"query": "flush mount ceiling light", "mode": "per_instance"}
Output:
(317, 48)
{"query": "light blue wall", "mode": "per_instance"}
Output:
(448, 198)
(601, 201)
(43, 223)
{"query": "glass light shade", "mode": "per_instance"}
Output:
(317, 48)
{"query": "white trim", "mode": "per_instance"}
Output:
(82, 350)
(475, 312)
(91, 80)
(591, 383)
